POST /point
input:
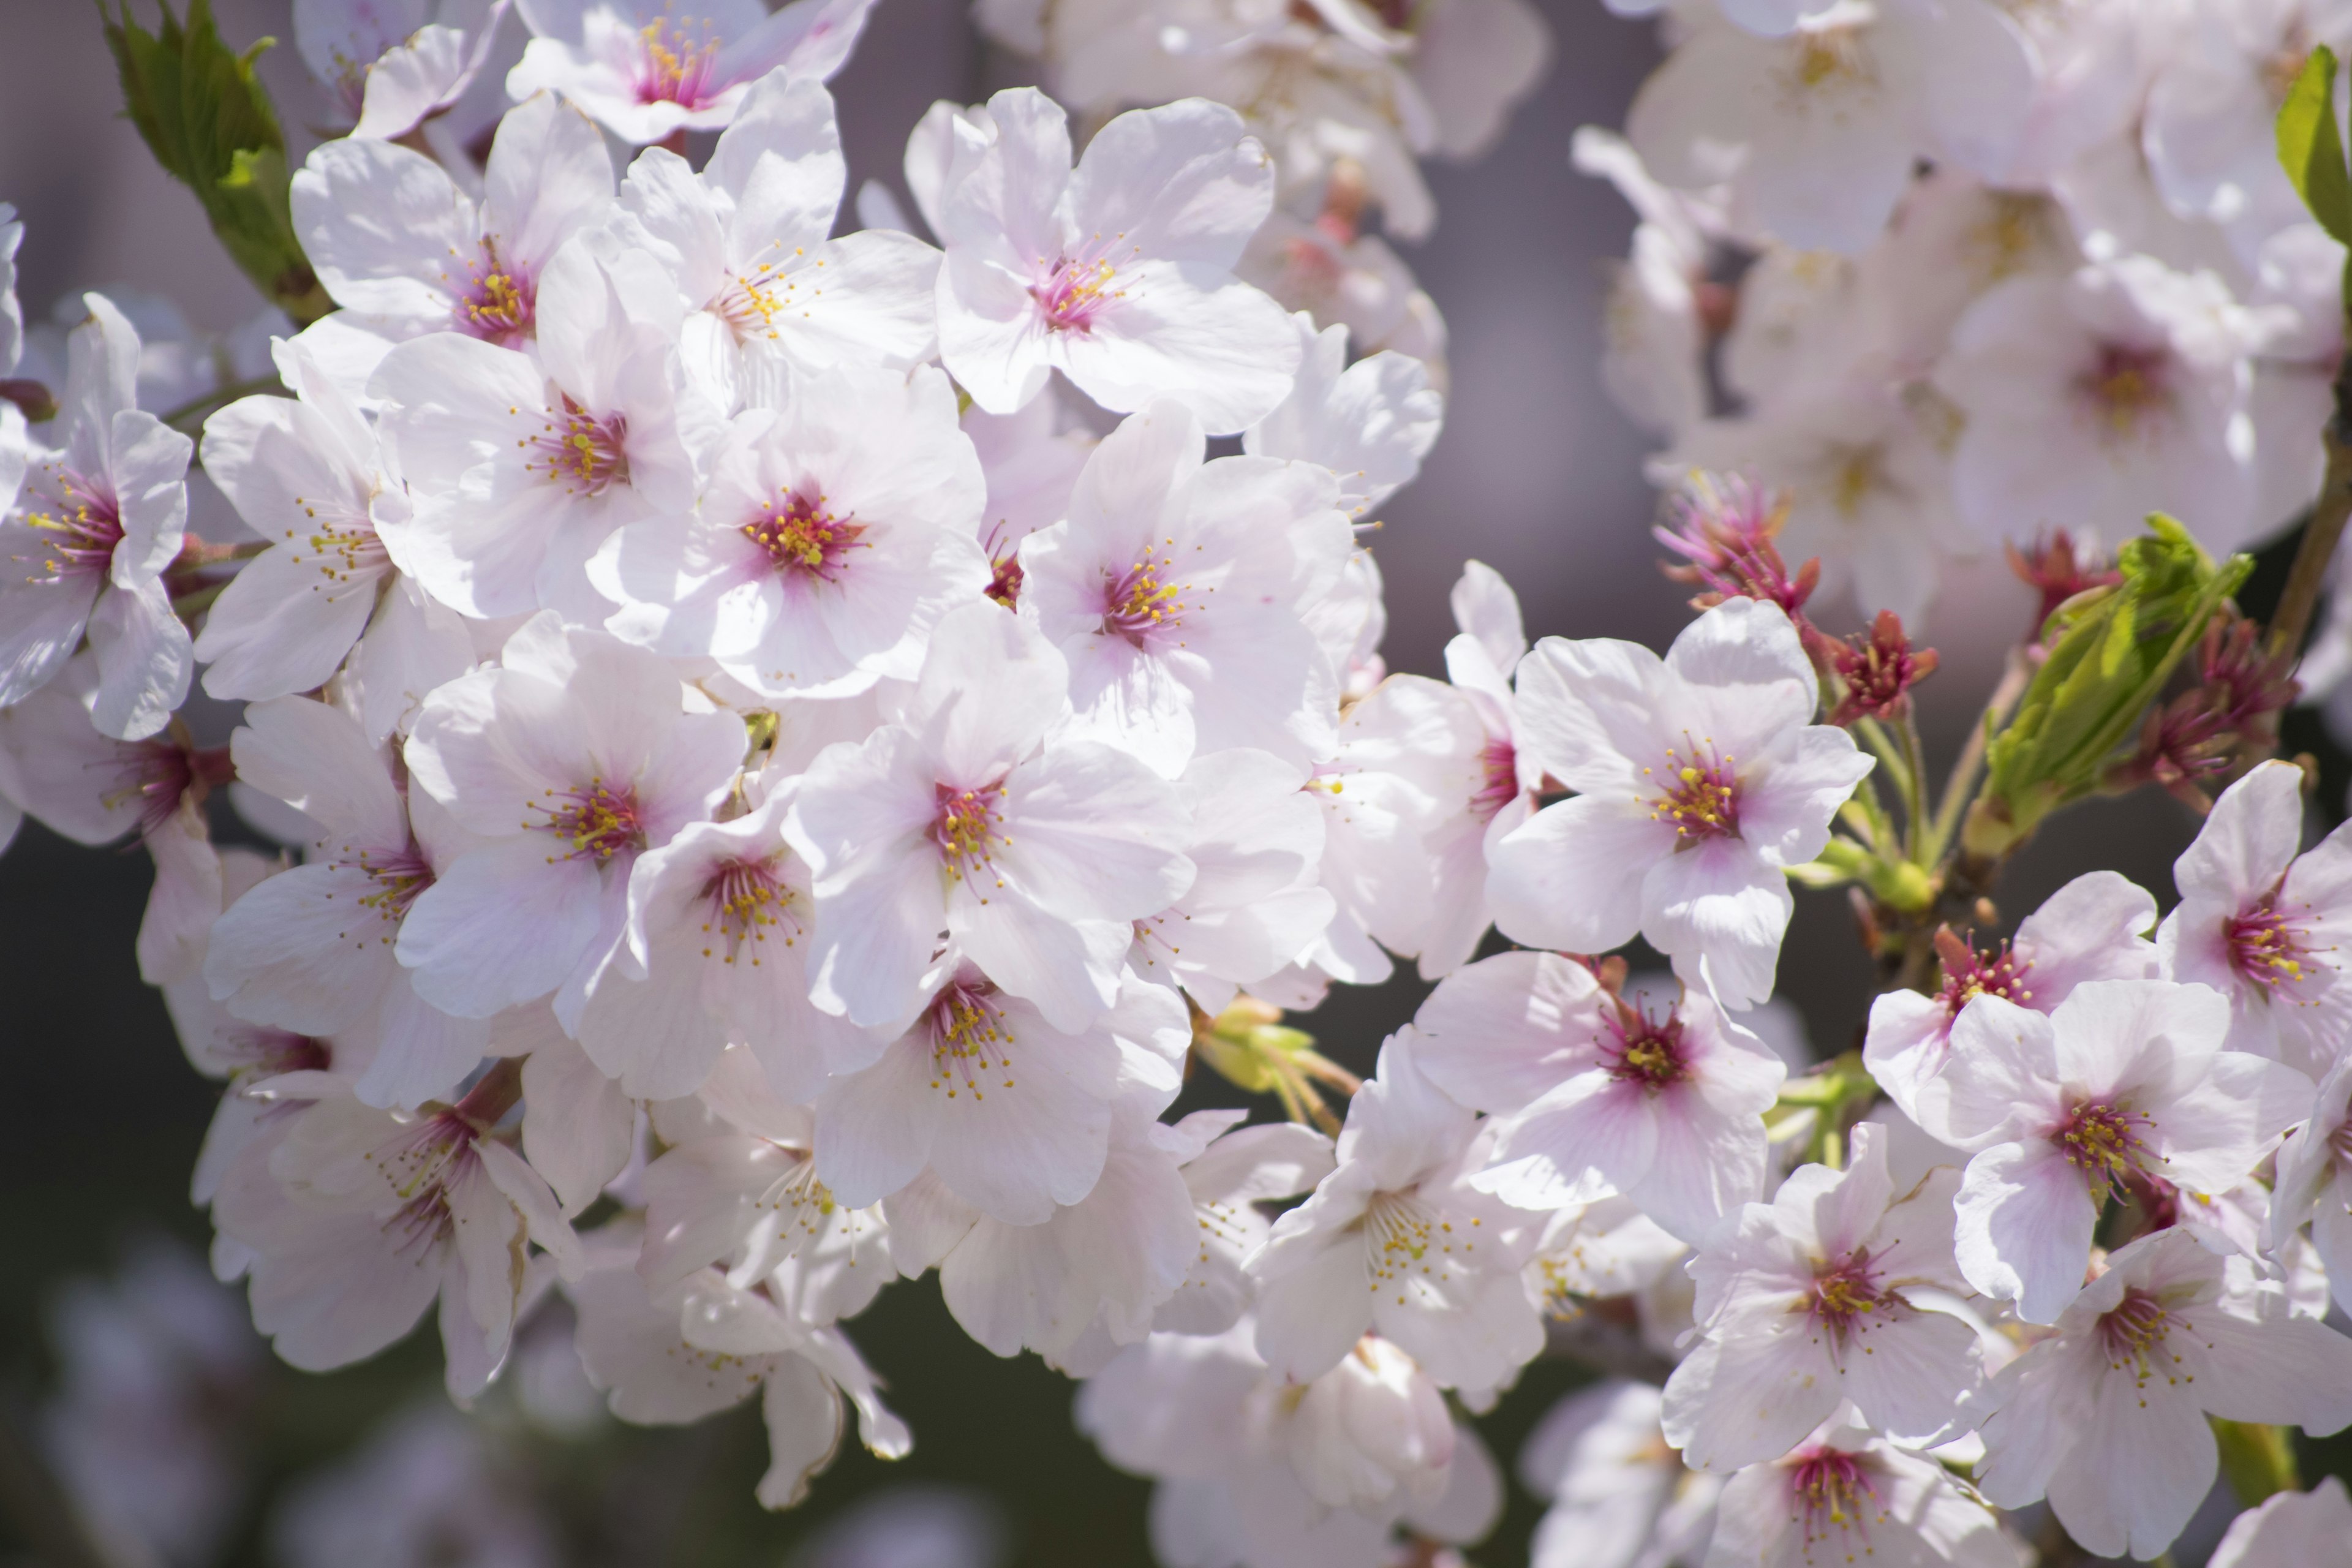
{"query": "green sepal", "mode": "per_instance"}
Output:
(2111, 651)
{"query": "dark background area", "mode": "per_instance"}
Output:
(1537, 475)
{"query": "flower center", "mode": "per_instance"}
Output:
(501, 302)
(1642, 1050)
(2126, 387)
(159, 774)
(1142, 601)
(1701, 796)
(1844, 1295)
(969, 1038)
(2104, 1142)
(965, 826)
(400, 875)
(675, 68)
(1498, 762)
(1968, 975)
(598, 822)
(804, 539)
(419, 1170)
(1405, 1237)
(1831, 56)
(2265, 948)
(585, 455)
(1833, 1491)
(1072, 293)
(265, 1053)
(1004, 574)
(744, 898)
(2133, 1333)
(80, 536)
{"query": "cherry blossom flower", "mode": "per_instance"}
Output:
(747, 241)
(392, 67)
(1597, 1096)
(1176, 590)
(1398, 1241)
(1479, 661)
(2107, 1418)
(2125, 1083)
(753, 1205)
(1371, 423)
(2093, 928)
(518, 468)
(1259, 1471)
(406, 252)
(647, 70)
(2314, 1180)
(1699, 781)
(313, 950)
(1013, 1113)
(1849, 1494)
(1119, 273)
(1805, 1303)
(568, 763)
(2289, 1527)
(305, 474)
(716, 952)
(2262, 924)
(359, 1218)
(63, 772)
(832, 536)
(1618, 1496)
(1033, 852)
(2092, 400)
(1255, 904)
(704, 1347)
(97, 526)
(1410, 762)
(1607, 1247)
(1820, 128)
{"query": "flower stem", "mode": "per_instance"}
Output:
(2321, 534)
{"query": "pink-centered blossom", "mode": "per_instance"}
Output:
(1699, 779)
(2125, 1084)
(1596, 1094)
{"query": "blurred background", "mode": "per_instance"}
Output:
(1537, 475)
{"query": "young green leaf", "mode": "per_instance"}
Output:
(2311, 148)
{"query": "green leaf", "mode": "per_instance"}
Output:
(2111, 652)
(2311, 148)
(204, 115)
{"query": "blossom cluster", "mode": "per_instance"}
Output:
(1960, 275)
(791, 742)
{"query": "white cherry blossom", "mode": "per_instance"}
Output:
(2314, 1181)
(649, 70)
(1013, 1113)
(313, 950)
(2264, 925)
(1176, 588)
(1699, 778)
(1033, 852)
(518, 469)
(1118, 273)
(2289, 1527)
(95, 526)
(1371, 423)
(1806, 1302)
(392, 64)
(834, 533)
(697, 1349)
(2093, 928)
(405, 251)
(358, 1219)
(1850, 1494)
(1595, 1095)
(1399, 1242)
(305, 474)
(1618, 1496)
(2107, 1418)
(748, 241)
(567, 763)
(2125, 1084)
